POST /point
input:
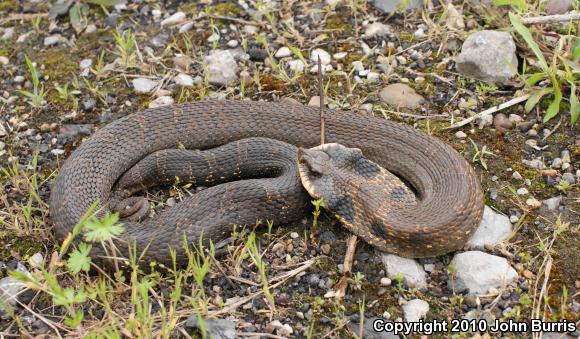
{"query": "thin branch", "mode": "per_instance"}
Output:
(491, 110)
(321, 94)
(550, 19)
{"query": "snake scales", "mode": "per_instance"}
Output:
(448, 209)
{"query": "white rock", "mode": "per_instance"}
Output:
(377, 29)
(515, 119)
(8, 32)
(161, 101)
(53, 40)
(493, 229)
(565, 155)
(294, 235)
(419, 33)
(9, 289)
(325, 57)
(514, 219)
(339, 55)
(183, 80)
(516, 175)
(552, 204)
(333, 3)
(325, 69)
(479, 271)
(36, 260)
(143, 85)
(385, 281)
(4, 60)
(410, 269)
(415, 310)
(485, 121)
(283, 52)
(85, 63)
(213, 38)
(250, 29)
(221, 67)
(557, 163)
(533, 203)
(460, 135)
(296, 65)
(233, 43)
(176, 18)
(522, 191)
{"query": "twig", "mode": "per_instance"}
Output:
(491, 110)
(339, 290)
(20, 16)
(220, 268)
(321, 94)
(383, 111)
(552, 130)
(549, 19)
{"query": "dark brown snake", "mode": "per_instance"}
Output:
(449, 200)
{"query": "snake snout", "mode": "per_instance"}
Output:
(132, 208)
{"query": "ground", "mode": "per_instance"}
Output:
(280, 293)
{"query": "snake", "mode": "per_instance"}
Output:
(397, 188)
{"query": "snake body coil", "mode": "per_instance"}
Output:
(449, 207)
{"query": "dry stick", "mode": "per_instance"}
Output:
(548, 19)
(492, 110)
(321, 94)
(219, 267)
(339, 290)
(15, 17)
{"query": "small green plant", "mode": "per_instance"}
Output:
(125, 45)
(356, 281)
(317, 209)
(563, 185)
(561, 72)
(37, 95)
(65, 94)
(520, 5)
(260, 265)
(480, 154)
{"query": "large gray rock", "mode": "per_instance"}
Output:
(389, 6)
(215, 328)
(478, 272)
(559, 6)
(222, 67)
(413, 273)
(489, 56)
(401, 95)
(493, 229)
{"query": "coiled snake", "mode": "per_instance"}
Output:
(135, 151)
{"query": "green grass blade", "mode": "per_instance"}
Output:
(527, 35)
(535, 98)
(574, 104)
(554, 107)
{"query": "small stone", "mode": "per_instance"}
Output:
(401, 60)
(514, 219)
(484, 55)
(294, 235)
(385, 281)
(419, 33)
(183, 80)
(565, 155)
(536, 163)
(325, 57)
(401, 95)
(515, 119)
(569, 177)
(554, 7)
(552, 204)
(250, 29)
(377, 29)
(85, 63)
(4, 60)
(516, 175)
(339, 55)
(36, 260)
(415, 310)
(89, 104)
(283, 52)
(222, 67)
(460, 135)
(325, 249)
(409, 269)
(8, 32)
(314, 101)
(522, 191)
(454, 19)
(296, 65)
(162, 101)
(233, 43)
(485, 121)
(143, 85)
(493, 229)
(176, 18)
(478, 272)
(53, 40)
(525, 126)
(91, 29)
(533, 203)
(213, 38)
(557, 163)
(390, 6)
(501, 122)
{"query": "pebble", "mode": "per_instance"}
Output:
(485, 121)
(10, 288)
(233, 43)
(557, 163)
(401, 95)
(143, 85)
(516, 175)
(294, 235)
(377, 29)
(4, 60)
(554, 7)
(296, 65)
(478, 272)
(552, 204)
(536, 163)
(415, 310)
(18, 79)
(250, 29)
(533, 203)
(410, 269)
(314, 101)
(565, 155)
(522, 191)
(283, 52)
(222, 67)
(460, 135)
(515, 119)
(493, 229)
(36, 260)
(501, 122)
(85, 63)
(176, 18)
(569, 177)
(385, 281)
(183, 80)
(162, 101)
(213, 38)
(325, 57)
(419, 33)
(514, 219)
(339, 55)
(53, 40)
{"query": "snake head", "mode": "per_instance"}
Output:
(322, 167)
